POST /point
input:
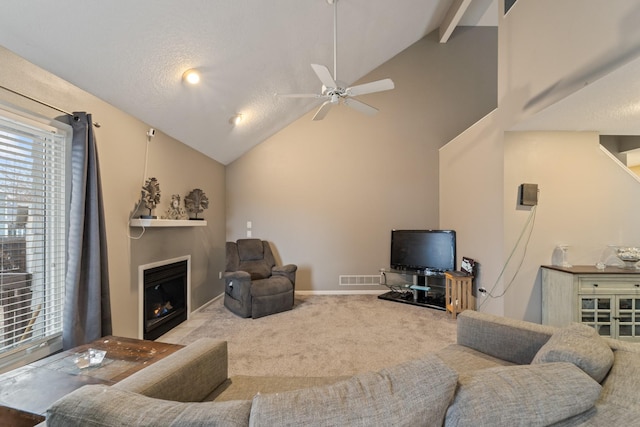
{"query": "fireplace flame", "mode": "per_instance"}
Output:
(162, 309)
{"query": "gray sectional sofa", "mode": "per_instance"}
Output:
(501, 372)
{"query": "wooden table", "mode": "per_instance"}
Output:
(34, 387)
(458, 293)
(10, 417)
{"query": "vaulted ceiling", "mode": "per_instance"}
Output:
(132, 54)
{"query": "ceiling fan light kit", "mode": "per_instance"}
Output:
(332, 91)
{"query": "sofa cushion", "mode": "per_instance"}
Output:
(244, 387)
(464, 359)
(104, 406)
(581, 345)
(409, 394)
(256, 269)
(608, 414)
(524, 395)
(619, 401)
(621, 385)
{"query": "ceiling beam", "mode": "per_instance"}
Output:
(451, 19)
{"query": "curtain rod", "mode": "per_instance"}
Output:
(96, 124)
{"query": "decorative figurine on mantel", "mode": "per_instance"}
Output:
(195, 202)
(175, 211)
(150, 196)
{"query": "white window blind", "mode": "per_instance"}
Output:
(33, 218)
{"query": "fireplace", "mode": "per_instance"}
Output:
(164, 296)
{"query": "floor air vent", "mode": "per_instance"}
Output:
(359, 279)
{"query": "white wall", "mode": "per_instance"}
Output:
(327, 194)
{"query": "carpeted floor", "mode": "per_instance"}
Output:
(322, 335)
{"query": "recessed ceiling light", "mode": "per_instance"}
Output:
(191, 76)
(236, 119)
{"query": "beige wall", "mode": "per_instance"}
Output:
(327, 194)
(471, 202)
(121, 141)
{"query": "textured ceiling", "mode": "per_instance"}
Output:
(132, 54)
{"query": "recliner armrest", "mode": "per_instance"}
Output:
(239, 275)
(289, 271)
(188, 375)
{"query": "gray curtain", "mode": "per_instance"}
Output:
(87, 309)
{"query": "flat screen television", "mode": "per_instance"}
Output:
(429, 250)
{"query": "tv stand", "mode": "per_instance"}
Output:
(425, 288)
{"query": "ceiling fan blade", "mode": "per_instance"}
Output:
(323, 110)
(360, 106)
(324, 75)
(377, 86)
(299, 95)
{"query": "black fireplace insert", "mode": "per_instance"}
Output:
(165, 298)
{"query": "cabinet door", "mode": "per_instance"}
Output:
(597, 312)
(627, 317)
(559, 306)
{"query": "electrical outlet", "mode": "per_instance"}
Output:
(482, 291)
(219, 274)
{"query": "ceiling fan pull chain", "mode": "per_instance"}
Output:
(335, 40)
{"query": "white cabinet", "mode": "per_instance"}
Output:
(608, 300)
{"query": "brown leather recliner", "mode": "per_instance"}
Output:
(254, 285)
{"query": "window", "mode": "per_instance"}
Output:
(33, 229)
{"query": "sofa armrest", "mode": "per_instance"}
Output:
(188, 375)
(104, 406)
(512, 340)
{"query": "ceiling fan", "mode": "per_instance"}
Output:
(333, 91)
